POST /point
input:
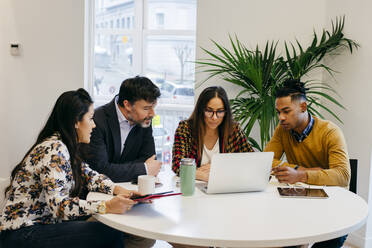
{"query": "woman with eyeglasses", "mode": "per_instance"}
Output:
(209, 130)
(43, 207)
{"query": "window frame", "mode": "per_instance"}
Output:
(140, 32)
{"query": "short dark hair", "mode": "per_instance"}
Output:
(138, 88)
(293, 88)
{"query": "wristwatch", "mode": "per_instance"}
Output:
(296, 167)
(101, 208)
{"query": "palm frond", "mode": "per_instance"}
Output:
(260, 73)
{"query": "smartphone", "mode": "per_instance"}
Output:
(153, 196)
(302, 192)
(139, 197)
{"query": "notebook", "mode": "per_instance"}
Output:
(154, 196)
(238, 172)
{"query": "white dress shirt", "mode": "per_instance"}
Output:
(124, 124)
(125, 127)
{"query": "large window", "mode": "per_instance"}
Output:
(154, 38)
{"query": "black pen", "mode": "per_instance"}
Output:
(281, 163)
(163, 193)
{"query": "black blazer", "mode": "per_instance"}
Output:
(103, 152)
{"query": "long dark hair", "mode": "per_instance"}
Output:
(69, 108)
(197, 120)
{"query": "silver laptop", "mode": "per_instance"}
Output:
(238, 172)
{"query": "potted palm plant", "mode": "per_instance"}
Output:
(261, 73)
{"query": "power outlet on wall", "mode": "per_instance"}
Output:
(15, 49)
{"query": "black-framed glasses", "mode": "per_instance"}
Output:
(219, 113)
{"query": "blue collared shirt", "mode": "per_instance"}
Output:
(124, 124)
(305, 133)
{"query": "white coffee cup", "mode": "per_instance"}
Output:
(146, 184)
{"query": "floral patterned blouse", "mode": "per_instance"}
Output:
(40, 190)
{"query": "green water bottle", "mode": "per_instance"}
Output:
(187, 175)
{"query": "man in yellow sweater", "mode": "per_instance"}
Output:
(315, 148)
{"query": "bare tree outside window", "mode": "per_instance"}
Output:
(183, 53)
(152, 38)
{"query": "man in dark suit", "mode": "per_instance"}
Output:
(122, 146)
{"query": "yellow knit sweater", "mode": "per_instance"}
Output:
(325, 147)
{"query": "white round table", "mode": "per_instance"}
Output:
(255, 219)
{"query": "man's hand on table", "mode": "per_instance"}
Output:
(153, 166)
(286, 174)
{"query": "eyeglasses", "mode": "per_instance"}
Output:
(300, 189)
(219, 113)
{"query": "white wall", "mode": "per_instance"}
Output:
(354, 85)
(51, 34)
(255, 21)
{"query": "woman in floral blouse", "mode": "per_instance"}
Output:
(43, 208)
(210, 129)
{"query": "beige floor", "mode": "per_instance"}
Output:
(345, 246)
(162, 244)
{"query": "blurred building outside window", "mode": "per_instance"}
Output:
(152, 38)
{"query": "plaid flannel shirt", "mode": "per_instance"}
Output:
(186, 146)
